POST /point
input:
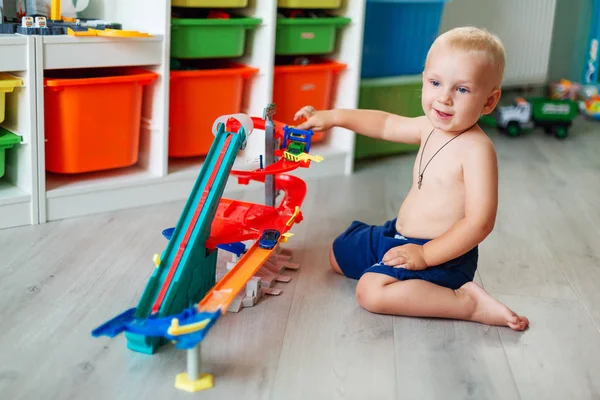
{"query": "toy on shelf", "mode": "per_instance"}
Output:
(33, 23)
(182, 299)
(555, 116)
(564, 90)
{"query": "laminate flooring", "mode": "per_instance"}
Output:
(60, 280)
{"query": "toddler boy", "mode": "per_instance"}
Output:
(422, 263)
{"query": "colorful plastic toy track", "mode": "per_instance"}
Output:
(181, 301)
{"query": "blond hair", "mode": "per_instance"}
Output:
(477, 41)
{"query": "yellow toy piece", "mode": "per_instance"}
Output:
(175, 329)
(121, 33)
(301, 157)
(182, 382)
(305, 156)
(107, 33)
(293, 217)
(286, 236)
(156, 259)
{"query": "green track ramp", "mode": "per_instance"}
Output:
(195, 274)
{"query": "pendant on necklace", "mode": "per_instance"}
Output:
(420, 180)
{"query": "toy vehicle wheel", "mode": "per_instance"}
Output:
(560, 131)
(513, 129)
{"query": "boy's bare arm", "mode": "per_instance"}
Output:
(480, 172)
(373, 123)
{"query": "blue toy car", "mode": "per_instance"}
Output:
(269, 239)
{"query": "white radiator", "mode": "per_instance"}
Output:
(525, 27)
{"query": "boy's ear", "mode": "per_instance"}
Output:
(491, 101)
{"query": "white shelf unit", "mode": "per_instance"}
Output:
(19, 185)
(156, 178)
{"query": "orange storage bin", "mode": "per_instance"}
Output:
(199, 95)
(93, 117)
(296, 86)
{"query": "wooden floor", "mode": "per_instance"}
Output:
(60, 280)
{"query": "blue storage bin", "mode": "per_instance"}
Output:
(398, 34)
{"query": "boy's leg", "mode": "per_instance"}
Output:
(383, 294)
(334, 265)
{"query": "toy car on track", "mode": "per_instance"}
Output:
(269, 239)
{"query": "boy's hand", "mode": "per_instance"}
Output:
(408, 256)
(315, 120)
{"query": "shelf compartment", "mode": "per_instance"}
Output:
(193, 38)
(310, 4)
(100, 51)
(93, 117)
(307, 36)
(210, 3)
(7, 141)
(7, 85)
(192, 114)
(14, 53)
(312, 84)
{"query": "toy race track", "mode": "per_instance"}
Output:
(182, 301)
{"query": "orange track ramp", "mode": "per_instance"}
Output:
(235, 280)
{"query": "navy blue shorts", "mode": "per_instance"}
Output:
(361, 248)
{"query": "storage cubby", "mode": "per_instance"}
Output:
(18, 155)
(182, 89)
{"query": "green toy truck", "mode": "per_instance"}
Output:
(555, 116)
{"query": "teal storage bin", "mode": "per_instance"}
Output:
(398, 34)
(399, 95)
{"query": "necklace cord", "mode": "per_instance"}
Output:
(423, 151)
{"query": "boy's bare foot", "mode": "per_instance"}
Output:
(490, 311)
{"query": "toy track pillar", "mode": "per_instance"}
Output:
(269, 154)
(55, 10)
(193, 380)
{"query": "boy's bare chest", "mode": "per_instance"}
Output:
(437, 165)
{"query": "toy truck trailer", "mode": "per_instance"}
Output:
(555, 116)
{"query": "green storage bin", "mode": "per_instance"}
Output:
(306, 36)
(210, 3)
(398, 95)
(209, 38)
(7, 140)
(309, 3)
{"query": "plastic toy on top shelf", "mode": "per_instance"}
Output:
(182, 301)
(555, 116)
(32, 21)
